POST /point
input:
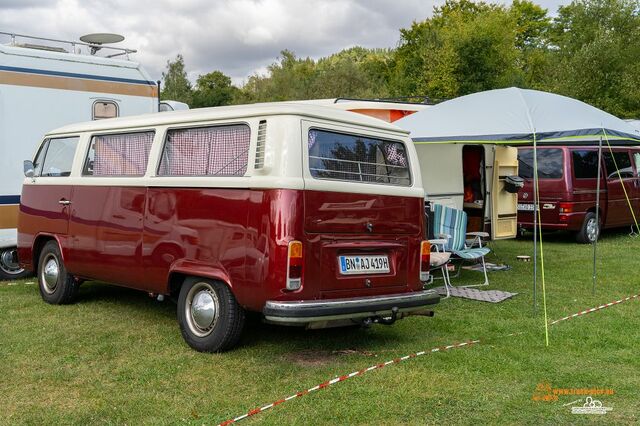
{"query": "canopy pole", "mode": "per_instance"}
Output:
(595, 243)
(537, 213)
(535, 225)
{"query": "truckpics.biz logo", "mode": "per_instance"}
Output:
(590, 406)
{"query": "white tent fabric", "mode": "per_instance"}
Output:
(513, 116)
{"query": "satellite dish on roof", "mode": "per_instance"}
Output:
(98, 39)
(102, 38)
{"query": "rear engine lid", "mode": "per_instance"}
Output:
(349, 213)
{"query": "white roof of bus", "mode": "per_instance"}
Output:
(229, 112)
(351, 104)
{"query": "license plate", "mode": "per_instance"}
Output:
(365, 264)
(525, 207)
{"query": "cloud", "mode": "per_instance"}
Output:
(238, 37)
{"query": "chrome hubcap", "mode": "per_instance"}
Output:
(50, 274)
(202, 309)
(9, 262)
(592, 230)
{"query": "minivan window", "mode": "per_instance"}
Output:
(206, 151)
(59, 157)
(623, 163)
(124, 154)
(340, 156)
(549, 163)
(585, 164)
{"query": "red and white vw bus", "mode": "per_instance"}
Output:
(310, 215)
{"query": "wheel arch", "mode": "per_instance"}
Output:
(600, 213)
(182, 270)
(38, 244)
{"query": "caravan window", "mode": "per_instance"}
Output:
(58, 158)
(346, 157)
(206, 151)
(104, 109)
(124, 154)
(549, 163)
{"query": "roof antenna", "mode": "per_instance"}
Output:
(96, 40)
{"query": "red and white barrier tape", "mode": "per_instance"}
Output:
(346, 377)
(597, 308)
(404, 358)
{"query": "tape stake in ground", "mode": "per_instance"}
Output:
(346, 377)
(597, 308)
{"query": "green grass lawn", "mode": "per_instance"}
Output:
(117, 356)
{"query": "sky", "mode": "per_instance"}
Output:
(237, 37)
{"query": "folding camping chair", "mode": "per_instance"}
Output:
(440, 259)
(449, 227)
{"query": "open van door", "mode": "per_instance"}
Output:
(504, 205)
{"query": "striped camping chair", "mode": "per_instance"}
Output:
(450, 225)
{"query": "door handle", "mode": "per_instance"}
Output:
(64, 202)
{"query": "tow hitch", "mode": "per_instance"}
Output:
(395, 315)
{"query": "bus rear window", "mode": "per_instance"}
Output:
(345, 157)
(550, 163)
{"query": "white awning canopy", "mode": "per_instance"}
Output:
(516, 116)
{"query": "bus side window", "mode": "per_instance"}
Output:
(636, 157)
(37, 163)
(118, 154)
(59, 157)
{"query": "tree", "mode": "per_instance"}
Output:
(597, 52)
(533, 27)
(176, 86)
(532, 24)
(213, 89)
(465, 47)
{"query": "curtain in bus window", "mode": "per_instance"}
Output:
(206, 151)
(119, 155)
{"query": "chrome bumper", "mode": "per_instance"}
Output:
(309, 311)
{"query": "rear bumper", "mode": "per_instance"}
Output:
(305, 312)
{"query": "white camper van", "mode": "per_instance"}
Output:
(45, 84)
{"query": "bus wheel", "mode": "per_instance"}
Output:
(9, 267)
(56, 285)
(590, 230)
(210, 318)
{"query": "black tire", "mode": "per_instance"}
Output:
(56, 285)
(217, 325)
(588, 234)
(9, 267)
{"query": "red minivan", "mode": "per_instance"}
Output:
(310, 215)
(568, 178)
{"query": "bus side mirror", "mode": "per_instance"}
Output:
(29, 170)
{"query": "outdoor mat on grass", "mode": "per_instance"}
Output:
(490, 267)
(491, 296)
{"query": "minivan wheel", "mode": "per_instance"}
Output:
(210, 318)
(9, 267)
(590, 230)
(56, 285)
